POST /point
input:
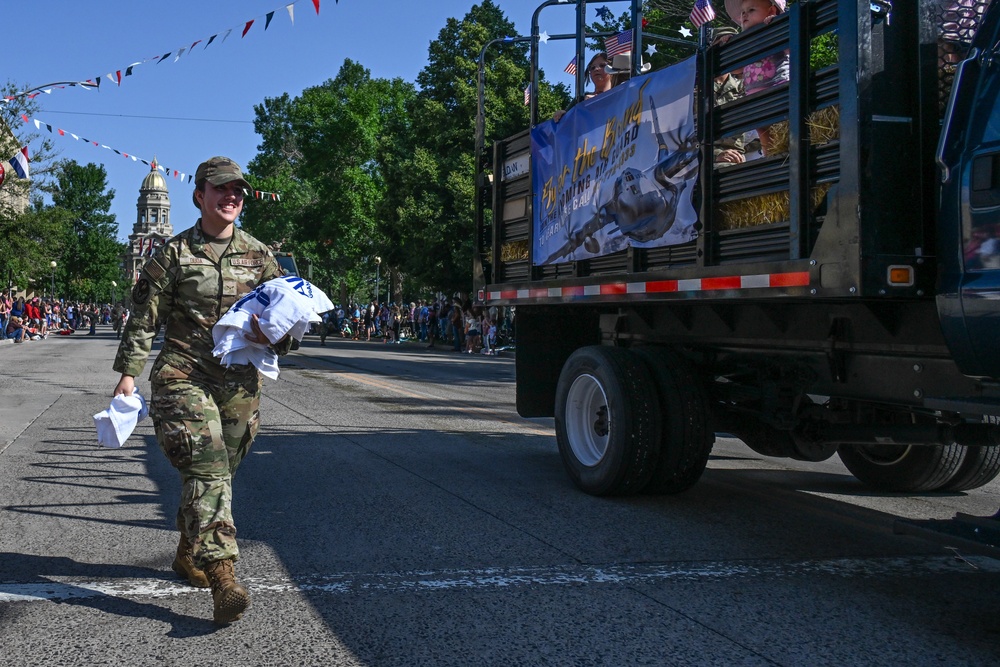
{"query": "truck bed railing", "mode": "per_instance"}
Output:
(867, 179)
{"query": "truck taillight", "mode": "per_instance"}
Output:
(901, 276)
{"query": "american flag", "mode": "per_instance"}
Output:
(620, 43)
(527, 94)
(702, 13)
(571, 68)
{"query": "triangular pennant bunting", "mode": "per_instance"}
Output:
(116, 74)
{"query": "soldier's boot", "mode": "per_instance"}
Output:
(231, 599)
(184, 565)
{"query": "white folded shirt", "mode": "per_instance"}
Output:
(115, 425)
(284, 306)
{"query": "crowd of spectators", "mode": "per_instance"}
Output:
(463, 326)
(35, 318)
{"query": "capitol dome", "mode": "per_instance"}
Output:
(154, 181)
(152, 225)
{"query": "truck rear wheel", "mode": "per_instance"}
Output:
(685, 439)
(606, 429)
(980, 466)
(907, 468)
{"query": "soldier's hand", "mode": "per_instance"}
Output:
(125, 386)
(257, 336)
(731, 155)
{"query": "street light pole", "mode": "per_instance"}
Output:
(53, 265)
(114, 290)
(378, 264)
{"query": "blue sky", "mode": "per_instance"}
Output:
(201, 105)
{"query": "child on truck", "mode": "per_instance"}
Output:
(771, 70)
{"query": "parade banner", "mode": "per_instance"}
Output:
(617, 170)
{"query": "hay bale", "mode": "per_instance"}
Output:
(823, 126)
(514, 251)
(763, 209)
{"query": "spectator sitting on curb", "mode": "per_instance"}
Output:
(15, 330)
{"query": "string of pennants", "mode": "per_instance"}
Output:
(182, 176)
(116, 76)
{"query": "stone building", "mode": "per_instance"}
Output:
(152, 223)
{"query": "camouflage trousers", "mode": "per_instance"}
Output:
(205, 426)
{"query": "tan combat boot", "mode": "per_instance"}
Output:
(231, 599)
(184, 565)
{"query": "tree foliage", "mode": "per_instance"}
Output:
(371, 167)
(91, 253)
(429, 205)
(30, 235)
(319, 151)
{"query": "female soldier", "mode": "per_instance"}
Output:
(204, 414)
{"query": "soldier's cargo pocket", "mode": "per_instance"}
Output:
(175, 441)
(164, 372)
(253, 425)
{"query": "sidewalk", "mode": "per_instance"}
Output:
(79, 333)
(409, 345)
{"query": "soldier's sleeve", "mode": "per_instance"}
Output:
(151, 301)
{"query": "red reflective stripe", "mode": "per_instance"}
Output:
(728, 282)
(795, 279)
(661, 286)
(800, 279)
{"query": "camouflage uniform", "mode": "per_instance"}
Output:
(727, 91)
(205, 415)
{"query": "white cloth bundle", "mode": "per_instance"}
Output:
(115, 425)
(285, 306)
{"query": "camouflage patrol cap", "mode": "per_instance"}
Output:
(218, 171)
(722, 31)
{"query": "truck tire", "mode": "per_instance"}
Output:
(907, 468)
(606, 428)
(980, 466)
(685, 438)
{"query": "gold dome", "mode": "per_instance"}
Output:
(154, 179)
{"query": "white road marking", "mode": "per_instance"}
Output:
(66, 589)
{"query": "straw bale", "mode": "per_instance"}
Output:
(762, 209)
(823, 126)
(514, 251)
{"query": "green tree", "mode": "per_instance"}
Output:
(29, 242)
(30, 238)
(91, 257)
(429, 166)
(319, 151)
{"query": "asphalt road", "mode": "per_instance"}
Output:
(395, 510)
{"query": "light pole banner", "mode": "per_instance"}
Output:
(617, 170)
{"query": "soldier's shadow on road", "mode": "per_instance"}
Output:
(49, 570)
(107, 478)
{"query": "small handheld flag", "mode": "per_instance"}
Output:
(702, 13)
(620, 43)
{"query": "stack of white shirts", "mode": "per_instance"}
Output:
(285, 306)
(115, 425)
